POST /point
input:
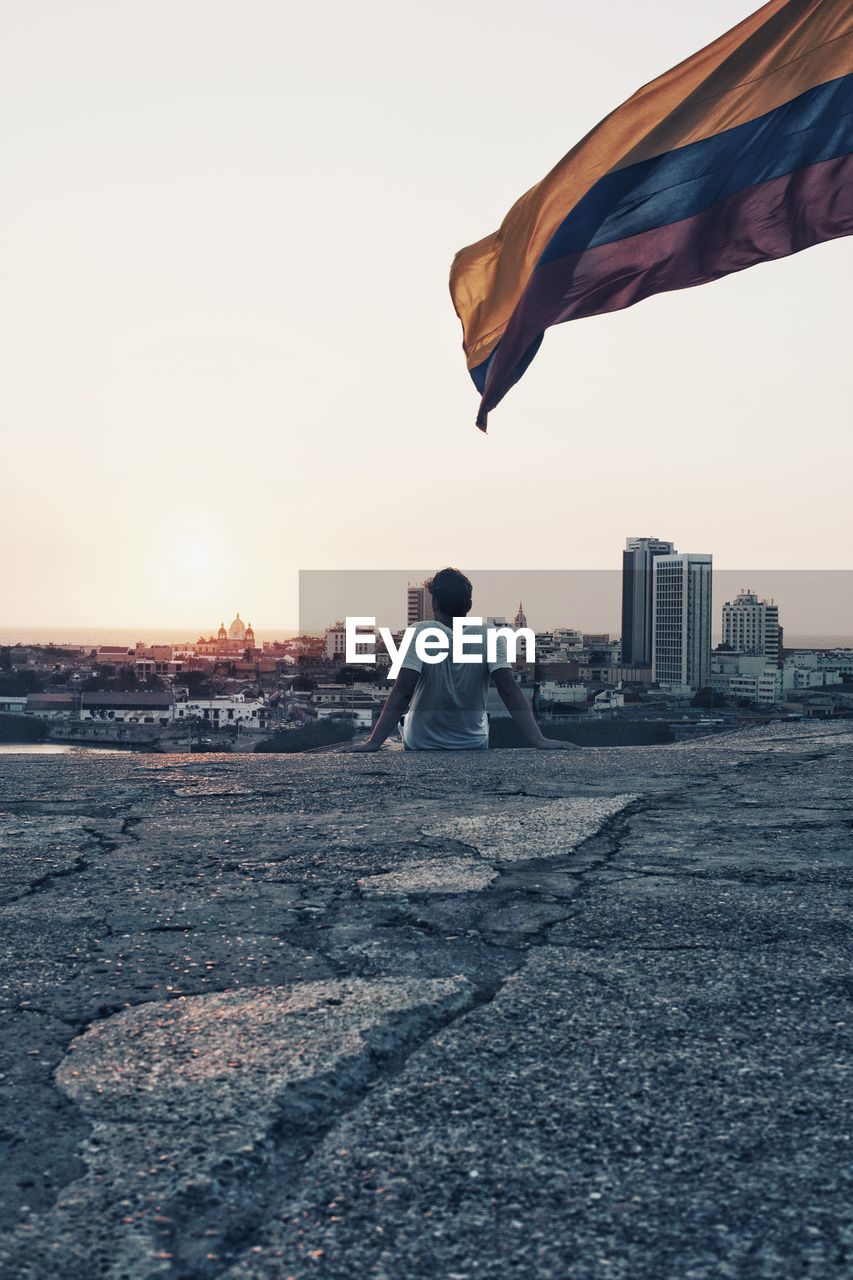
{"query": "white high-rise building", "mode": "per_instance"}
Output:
(681, 629)
(638, 599)
(336, 642)
(751, 626)
(418, 605)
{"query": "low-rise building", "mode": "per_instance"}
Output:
(557, 692)
(15, 703)
(150, 660)
(594, 665)
(114, 655)
(360, 704)
(812, 705)
(608, 700)
(495, 708)
(796, 677)
(559, 645)
(557, 672)
(749, 677)
(220, 712)
(328, 695)
(51, 706)
(764, 688)
(156, 707)
(336, 643)
(628, 675)
(840, 660)
(359, 711)
(147, 668)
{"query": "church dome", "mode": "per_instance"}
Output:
(237, 630)
(222, 633)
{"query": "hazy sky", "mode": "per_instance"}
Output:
(227, 349)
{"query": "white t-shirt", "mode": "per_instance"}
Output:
(448, 707)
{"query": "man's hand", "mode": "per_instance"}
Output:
(555, 744)
(366, 745)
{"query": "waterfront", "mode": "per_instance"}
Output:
(54, 749)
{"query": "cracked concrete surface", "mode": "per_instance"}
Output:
(511, 827)
(514, 1014)
(432, 875)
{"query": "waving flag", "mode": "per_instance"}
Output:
(741, 154)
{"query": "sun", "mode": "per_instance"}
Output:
(191, 553)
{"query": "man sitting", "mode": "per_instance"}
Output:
(445, 702)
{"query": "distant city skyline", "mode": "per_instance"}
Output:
(813, 604)
(151, 635)
(203, 382)
(666, 648)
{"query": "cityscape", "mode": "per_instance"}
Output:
(661, 679)
(426, 642)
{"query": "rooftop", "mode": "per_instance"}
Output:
(142, 699)
(504, 1014)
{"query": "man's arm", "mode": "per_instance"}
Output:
(520, 710)
(396, 705)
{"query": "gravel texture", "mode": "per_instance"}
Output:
(577, 1016)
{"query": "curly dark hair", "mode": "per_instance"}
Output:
(451, 592)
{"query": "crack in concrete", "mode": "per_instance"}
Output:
(608, 838)
(292, 1145)
(291, 1142)
(731, 877)
(41, 883)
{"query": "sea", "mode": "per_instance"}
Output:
(91, 637)
(56, 749)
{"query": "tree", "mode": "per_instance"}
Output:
(153, 681)
(303, 685)
(356, 675)
(197, 683)
(95, 684)
(708, 699)
(22, 682)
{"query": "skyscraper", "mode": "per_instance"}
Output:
(418, 605)
(638, 599)
(751, 626)
(681, 633)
